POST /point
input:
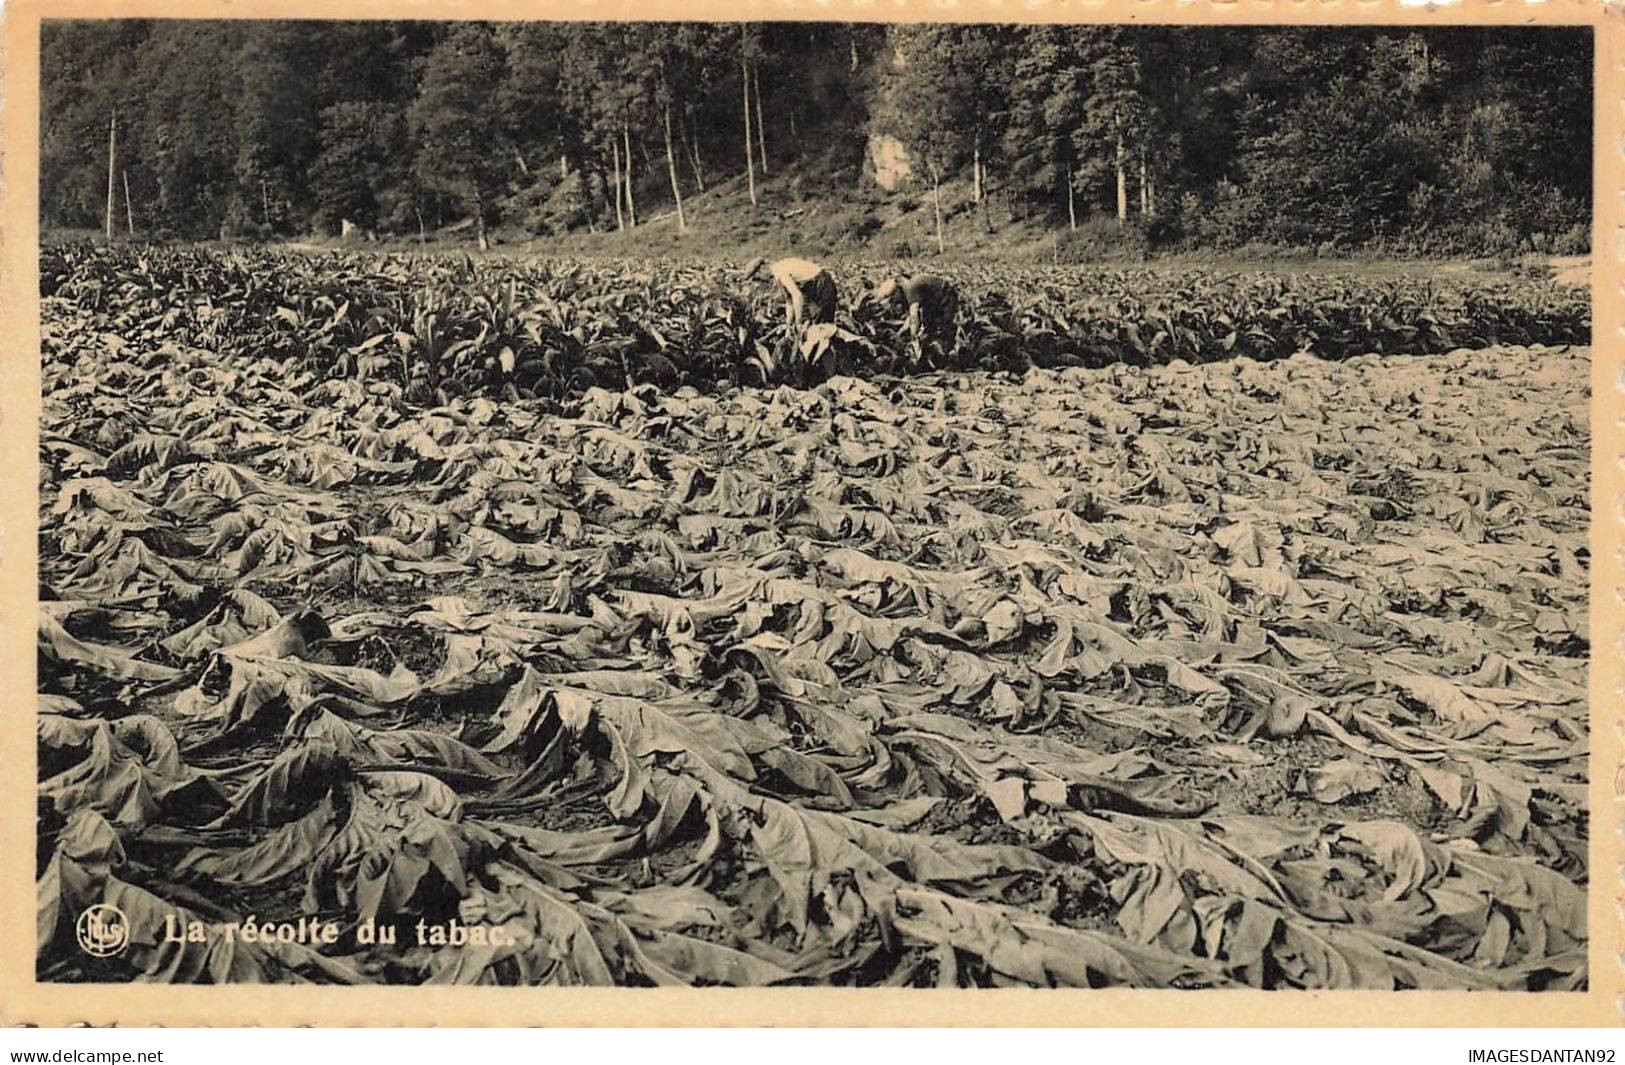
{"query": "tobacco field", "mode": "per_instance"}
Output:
(1179, 631)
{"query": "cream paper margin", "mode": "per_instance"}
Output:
(23, 1001)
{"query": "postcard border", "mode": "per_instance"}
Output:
(23, 1001)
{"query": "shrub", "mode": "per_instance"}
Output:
(1100, 238)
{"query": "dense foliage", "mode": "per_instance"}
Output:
(1232, 674)
(1440, 140)
(442, 326)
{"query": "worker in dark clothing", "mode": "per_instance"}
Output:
(933, 308)
(808, 288)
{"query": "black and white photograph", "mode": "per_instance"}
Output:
(807, 504)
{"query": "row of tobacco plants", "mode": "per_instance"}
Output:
(445, 326)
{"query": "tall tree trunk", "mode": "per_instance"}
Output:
(479, 223)
(265, 205)
(112, 154)
(564, 167)
(976, 172)
(671, 170)
(1145, 188)
(694, 161)
(693, 137)
(129, 211)
(750, 163)
(631, 204)
(761, 132)
(1071, 202)
(936, 207)
(1122, 186)
(986, 211)
(518, 157)
(620, 189)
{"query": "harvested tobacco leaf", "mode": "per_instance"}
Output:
(1242, 673)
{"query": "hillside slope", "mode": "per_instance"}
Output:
(824, 205)
(820, 204)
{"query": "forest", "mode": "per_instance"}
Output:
(1411, 141)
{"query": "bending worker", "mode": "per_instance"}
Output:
(808, 286)
(933, 307)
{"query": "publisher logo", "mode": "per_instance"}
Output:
(103, 930)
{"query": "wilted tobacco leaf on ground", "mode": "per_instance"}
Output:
(1172, 674)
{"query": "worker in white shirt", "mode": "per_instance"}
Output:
(809, 288)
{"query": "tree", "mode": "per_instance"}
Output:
(608, 97)
(530, 97)
(1049, 90)
(673, 76)
(357, 166)
(185, 137)
(1114, 112)
(987, 59)
(1331, 151)
(665, 71)
(1189, 137)
(276, 126)
(931, 97)
(461, 150)
(746, 47)
(87, 72)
